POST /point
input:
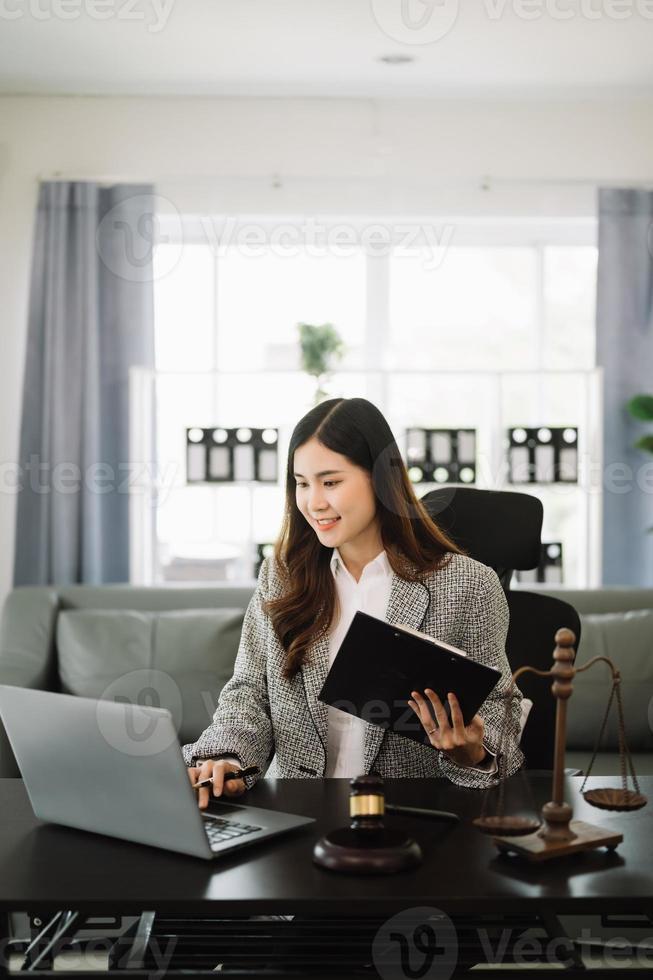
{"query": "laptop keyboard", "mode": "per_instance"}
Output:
(218, 831)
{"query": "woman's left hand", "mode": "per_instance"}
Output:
(463, 744)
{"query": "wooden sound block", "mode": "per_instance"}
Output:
(381, 851)
(536, 848)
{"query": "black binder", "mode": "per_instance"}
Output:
(379, 664)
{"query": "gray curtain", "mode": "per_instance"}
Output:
(90, 320)
(624, 319)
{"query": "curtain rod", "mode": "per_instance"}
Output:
(483, 183)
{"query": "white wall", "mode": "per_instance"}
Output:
(357, 156)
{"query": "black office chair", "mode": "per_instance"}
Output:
(534, 621)
(498, 527)
(503, 529)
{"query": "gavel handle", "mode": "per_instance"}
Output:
(418, 811)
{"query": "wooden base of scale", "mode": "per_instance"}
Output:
(534, 847)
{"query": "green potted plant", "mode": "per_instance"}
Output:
(641, 408)
(321, 347)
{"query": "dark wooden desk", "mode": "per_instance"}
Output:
(49, 868)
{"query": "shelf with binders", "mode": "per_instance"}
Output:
(238, 455)
(542, 455)
(556, 419)
(549, 569)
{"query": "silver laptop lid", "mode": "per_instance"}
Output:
(108, 767)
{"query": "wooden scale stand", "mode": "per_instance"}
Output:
(558, 835)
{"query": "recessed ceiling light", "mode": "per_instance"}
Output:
(396, 59)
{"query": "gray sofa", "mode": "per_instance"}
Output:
(172, 646)
(175, 646)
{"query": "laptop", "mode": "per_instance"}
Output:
(117, 769)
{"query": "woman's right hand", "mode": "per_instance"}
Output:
(216, 771)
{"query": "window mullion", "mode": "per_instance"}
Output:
(215, 385)
(377, 327)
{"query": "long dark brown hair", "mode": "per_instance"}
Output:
(414, 544)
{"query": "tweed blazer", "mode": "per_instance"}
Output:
(260, 713)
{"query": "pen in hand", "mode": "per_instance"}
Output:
(234, 774)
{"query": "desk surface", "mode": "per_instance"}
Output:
(54, 867)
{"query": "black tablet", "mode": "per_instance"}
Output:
(379, 664)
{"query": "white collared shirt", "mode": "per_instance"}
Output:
(370, 594)
(346, 733)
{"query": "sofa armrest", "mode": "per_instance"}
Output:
(26, 650)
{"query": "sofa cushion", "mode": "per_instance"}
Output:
(179, 660)
(627, 638)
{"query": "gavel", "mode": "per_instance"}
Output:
(367, 846)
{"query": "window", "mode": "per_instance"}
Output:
(477, 309)
(484, 337)
(261, 299)
(569, 307)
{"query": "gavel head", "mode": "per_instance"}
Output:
(367, 801)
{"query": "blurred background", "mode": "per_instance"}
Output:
(453, 198)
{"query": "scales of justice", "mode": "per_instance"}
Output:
(556, 834)
(368, 846)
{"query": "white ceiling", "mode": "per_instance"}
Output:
(476, 48)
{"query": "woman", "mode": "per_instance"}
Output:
(355, 537)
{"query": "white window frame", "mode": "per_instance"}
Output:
(536, 233)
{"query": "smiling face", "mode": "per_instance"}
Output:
(337, 499)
